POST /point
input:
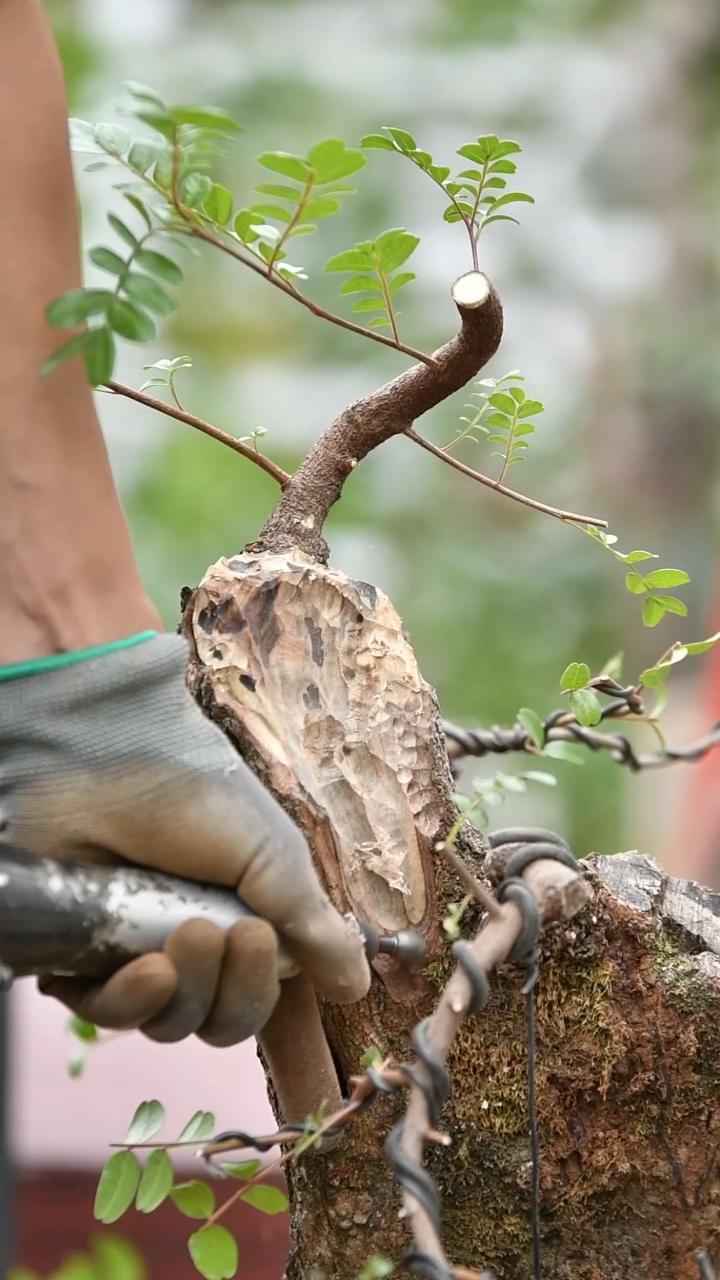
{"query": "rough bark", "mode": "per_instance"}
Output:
(312, 677)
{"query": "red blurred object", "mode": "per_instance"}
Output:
(696, 845)
(53, 1218)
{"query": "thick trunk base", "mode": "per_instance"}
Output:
(311, 676)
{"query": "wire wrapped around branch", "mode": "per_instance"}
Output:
(561, 726)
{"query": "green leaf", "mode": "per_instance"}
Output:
(702, 646)
(404, 140)
(506, 148)
(76, 1061)
(130, 321)
(122, 230)
(585, 706)
(613, 666)
(288, 165)
(575, 676)
(82, 136)
(147, 1121)
(378, 322)
(666, 578)
(635, 583)
(498, 440)
(652, 611)
(195, 188)
(672, 605)
(358, 259)
(531, 722)
(271, 211)
(654, 676)
(501, 400)
(217, 204)
(439, 172)
(143, 92)
(195, 1199)
(502, 166)
(76, 305)
(117, 1259)
(157, 118)
(376, 1268)
(107, 260)
(149, 293)
(499, 420)
(544, 779)
(117, 1186)
(214, 1252)
(394, 247)
(65, 352)
(142, 154)
(265, 1198)
(632, 557)
(400, 280)
(331, 160)
(512, 197)
(501, 217)
(245, 1169)
(112, 138)
(377, 142)
(360, 284)
(471, 151)
(568, 751)
(452, 214)
(530, 408)
(99, 355)
(278, 189)
(205, 118)
(155, 1182)
(160, 266)
(243, 222)
(320, 207)
(368, 304)
(518, 395)
(524, 429)
(86, 1031)
(199, 1126)
(139, 207)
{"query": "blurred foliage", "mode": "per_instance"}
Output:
(610, 290)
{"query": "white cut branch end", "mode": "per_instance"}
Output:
(471, 290)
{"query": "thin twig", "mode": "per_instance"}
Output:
(181, 415)
(284, 286)
(466, 877)
(571, 517)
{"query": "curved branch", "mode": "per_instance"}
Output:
(562, 727)
(298, 518)
(284, 286)
(181, 415)
(571, 517)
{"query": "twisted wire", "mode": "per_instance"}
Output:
(430, 1075)
(561, 726)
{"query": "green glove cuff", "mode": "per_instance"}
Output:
(35, 665)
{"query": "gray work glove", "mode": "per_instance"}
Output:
(109, 759)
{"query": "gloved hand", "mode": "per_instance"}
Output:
(110, 759)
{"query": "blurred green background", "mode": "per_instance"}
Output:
(611, 296)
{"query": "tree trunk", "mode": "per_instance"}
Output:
(311, 676)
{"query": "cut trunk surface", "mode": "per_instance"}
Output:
(311, 676)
